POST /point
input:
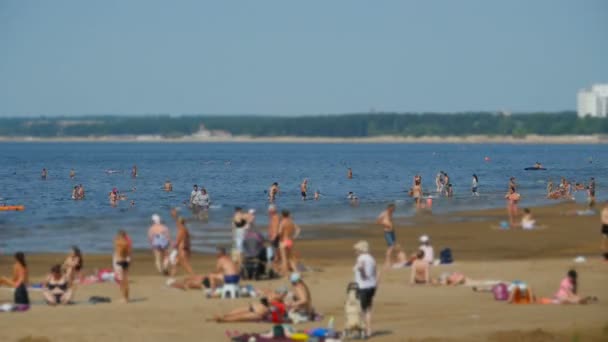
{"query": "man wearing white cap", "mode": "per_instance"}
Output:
(429, 254)
(160, 240)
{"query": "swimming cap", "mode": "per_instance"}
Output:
(156, 218)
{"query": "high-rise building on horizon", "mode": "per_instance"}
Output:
(593, 101)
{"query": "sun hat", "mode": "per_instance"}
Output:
(424, 238)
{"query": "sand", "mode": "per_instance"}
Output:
(401, 313)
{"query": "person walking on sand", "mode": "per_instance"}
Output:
(304, 189)
(385, 219)
(160, 240)
(181, 244)
(288, 232)
(366, 277)
(605, 227)
(122, 259)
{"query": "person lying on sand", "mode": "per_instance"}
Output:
(271, 305)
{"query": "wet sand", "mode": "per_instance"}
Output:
(401, 313)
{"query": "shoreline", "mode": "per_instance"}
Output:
(472, 139)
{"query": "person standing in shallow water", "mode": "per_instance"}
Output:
(43, 174)
(304, 189)
(349, 174)
(474, 185)
(134, 171)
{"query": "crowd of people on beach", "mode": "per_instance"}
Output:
(275, 253)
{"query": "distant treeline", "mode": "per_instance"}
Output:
(346, 125)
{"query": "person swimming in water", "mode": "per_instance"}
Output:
(72, 173)
(273, 192)
(317, 195)
(168, 187)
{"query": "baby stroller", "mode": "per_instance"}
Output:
(254, 256)
(354, 327)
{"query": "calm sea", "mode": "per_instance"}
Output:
(237, 174)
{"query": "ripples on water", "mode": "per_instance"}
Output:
(238, 175)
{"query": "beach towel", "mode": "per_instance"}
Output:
(14, 307)
(259, 338)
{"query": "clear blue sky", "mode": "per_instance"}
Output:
(297, 57)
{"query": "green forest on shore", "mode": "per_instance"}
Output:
(343, 125)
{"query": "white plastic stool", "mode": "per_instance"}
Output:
(230, 291)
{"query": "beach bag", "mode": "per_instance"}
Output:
(445, 256)
(501, 292)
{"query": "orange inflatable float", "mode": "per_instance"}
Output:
(12, 207)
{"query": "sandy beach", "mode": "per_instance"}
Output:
(402, 312)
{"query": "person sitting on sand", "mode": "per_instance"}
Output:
(567, 293)
(420, 273)
(57, 287)
(300, 307)
(19, 280)
(429, 253)
(73, 264)
(527, 220)
(271, 305)
(226, 271)
(401, 259)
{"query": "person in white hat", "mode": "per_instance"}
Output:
(366, 275)
(429, 253)
(160, 240)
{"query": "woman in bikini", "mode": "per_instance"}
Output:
(122, 259)
(73, 264)
(57, 289)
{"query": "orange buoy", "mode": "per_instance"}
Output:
(12, 207)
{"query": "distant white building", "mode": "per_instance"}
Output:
(594, 101)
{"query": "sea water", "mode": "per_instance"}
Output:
(239, 174)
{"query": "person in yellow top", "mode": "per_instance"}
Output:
(19, 280)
